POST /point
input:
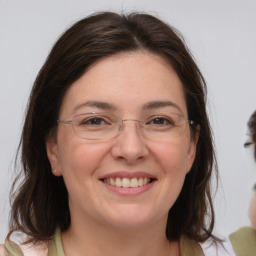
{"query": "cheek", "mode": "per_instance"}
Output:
(172, 156)
(78, 157)
(252, 211)
(79, 164)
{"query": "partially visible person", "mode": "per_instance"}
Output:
(252, 209)
(244, 239)
(252, 142)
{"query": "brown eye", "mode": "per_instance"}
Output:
(161, 121)
(94, 121)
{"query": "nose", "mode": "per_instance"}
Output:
(130, 145)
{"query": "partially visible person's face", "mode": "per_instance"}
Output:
(252, 209)
(130, 86)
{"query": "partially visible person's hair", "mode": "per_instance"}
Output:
(252, 132)
(40, 202)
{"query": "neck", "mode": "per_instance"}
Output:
(99, 240)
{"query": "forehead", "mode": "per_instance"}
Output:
(126, 81)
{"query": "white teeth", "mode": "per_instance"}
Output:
(111, 181)
(126, 182)
(134, 183)
(118, 182)
(140, 182)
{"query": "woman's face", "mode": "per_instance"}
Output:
(131, 86)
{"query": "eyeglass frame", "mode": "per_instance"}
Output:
(187, 121)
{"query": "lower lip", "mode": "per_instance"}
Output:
(129, 191)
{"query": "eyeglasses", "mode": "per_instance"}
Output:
(105, 126)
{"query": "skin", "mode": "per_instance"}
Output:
(107, 222)
(252, 211)
(252, 207)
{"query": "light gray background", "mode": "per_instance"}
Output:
(222, 37)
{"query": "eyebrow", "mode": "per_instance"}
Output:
(107, 106)
(95, 104)
(161, 104)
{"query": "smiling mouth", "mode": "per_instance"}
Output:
(128, 183)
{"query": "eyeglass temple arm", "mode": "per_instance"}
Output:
(64, 122)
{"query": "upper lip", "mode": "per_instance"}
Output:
(127, 174)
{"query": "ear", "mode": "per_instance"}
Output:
(192, 148)
(53, 156)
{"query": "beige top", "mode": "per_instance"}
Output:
(54, 248)
(244, 241)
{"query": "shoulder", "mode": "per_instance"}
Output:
(208, 248)
(15, 246)
(3, 252)
(244, 241)
(243, 233)
(190, 247)
(9, 248)
(212, 248)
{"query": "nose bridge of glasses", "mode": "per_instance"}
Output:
(131, 121)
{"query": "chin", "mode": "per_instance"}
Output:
(130, 217)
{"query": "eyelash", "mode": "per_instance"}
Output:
(154, 120)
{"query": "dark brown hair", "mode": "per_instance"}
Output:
(252, 132)
(40, 203)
